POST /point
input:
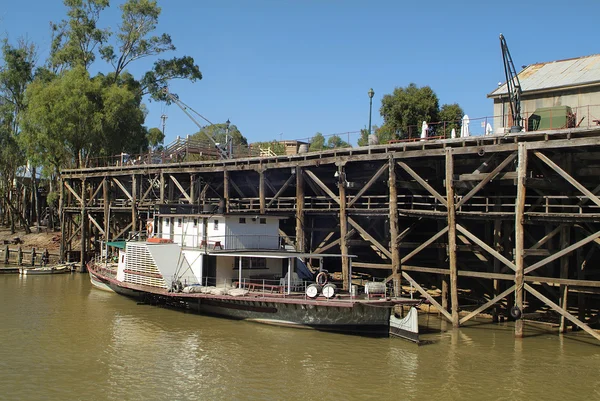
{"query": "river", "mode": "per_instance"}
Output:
(63, 340)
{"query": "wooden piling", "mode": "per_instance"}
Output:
(300, 246)
(343, 228)
(520, 234)
(452, 236)
(394, 249)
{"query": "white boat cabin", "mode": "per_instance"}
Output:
(208, 250)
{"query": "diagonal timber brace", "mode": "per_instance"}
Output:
(567, 177)
(363, 233)
(427, 296)
(487, 179)
(486, 247)
(424, 183)
(183, 191)
(321, 185)
(364, 189)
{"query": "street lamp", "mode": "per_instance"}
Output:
(228, 145)
(371, 94)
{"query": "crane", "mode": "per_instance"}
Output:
(223, 153)
(513, 86)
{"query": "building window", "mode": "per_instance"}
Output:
(242, 220)
(251, 263)
(263, 220)
(216, 225)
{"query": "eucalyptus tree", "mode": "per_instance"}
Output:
(76, 39)
(16, 71)
(74, 116)
(135, 40)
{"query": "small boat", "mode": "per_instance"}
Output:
(56, 269)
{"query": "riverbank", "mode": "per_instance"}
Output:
(45, 239)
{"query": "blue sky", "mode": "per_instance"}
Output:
(289, 69)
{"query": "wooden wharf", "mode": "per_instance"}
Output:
(513, 220)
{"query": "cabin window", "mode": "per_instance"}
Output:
(178, 222)
(216, 225)
(251, 263)
(195, 223)
(263, 220)
(242, 220)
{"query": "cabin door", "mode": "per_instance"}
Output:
(210, 270)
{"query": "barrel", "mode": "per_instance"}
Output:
(374, 287)
(329, 290)
(313, 290)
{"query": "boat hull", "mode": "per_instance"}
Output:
(351, 318)
(355, 319)
(99, 284)
(406, 327)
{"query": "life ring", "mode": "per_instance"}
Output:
(149, 228)
(321, 278)
(515, 312)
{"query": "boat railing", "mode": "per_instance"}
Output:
(232, 242)
(105, 266)
(229, 242)
(276, 287)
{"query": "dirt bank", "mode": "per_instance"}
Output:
(43, 240)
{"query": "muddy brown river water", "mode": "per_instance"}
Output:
(60, 339)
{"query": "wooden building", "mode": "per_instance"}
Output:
(487, 218)
(573, 82)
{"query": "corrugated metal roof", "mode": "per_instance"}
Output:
(556, 74)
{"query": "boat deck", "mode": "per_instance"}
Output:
(266, 293)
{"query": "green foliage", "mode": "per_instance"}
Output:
(409, 107)
(75, 40)
(383, 135)
(218, 132)
(135, 41)
(451, 117)
(139, 20)
(317, 143)
(276, 147)
(75, 117)
(164, 71)
(335, 141)
(155, 137)
(15, 73)
(405, 109)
